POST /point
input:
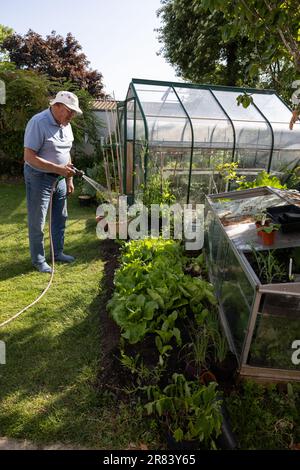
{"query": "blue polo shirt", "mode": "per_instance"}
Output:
(48, 139)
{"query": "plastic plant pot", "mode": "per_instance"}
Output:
(268, 238)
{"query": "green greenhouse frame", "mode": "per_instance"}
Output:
(182, 131)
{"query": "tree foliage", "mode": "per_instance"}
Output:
(57, 57)
(5, 32)
(219, 41)
(276, 22)
(192, 42)
(27, 93)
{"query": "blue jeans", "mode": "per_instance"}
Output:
(38, 190)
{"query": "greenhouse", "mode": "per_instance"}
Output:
(182, 132)
(258, 286)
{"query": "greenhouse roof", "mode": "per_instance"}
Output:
(170, 114)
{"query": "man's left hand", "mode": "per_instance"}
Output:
(70, 186)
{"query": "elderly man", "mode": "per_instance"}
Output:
(47, 143)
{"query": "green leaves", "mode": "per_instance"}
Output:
(262, 179)
(192, 411)
(153, 292)
(245, 100)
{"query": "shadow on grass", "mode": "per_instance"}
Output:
(41, 365)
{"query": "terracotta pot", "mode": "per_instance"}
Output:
(268, 238)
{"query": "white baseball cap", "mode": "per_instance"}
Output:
(68, 99)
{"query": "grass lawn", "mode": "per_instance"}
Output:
(48, 387)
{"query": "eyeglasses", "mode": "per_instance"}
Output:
(71, 112)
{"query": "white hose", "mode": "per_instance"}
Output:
(52, 260)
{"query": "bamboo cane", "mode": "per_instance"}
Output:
(111, 149)
(118, 143)
(106, 169)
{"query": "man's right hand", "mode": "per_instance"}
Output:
(293, 119)
(66, 170)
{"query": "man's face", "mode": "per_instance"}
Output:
(64, 114)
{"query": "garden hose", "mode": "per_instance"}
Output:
(52, 262)
(81, 174)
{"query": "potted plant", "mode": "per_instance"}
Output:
(268, 233)
(261, 220)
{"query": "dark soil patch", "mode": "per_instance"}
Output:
(109, 374)
(244, 219)
(113, 376)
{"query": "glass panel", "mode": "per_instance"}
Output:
(228, 98)
(139, 165)
(272, 107)
(279, 116)
(210, 124)
(130, 119)
(140, 133)
(251, 129)
(233, 289)
(236, 294)
(166, 119)
(234, 206)
(277, 327)
(285, 159)
(284, 138)
(258, 159)
(139, 153)
(173, 165)
(204, 179)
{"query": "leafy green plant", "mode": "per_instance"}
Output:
(269, 228)
(157, 190)
(262, 179)
(261, 217)
(153, 294)
(195, 352)
(268, 266)
(228, 170)
(188, 410)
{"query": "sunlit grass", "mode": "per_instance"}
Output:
(48, 387)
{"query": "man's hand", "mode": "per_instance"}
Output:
(70, 186)
(66, 170)
(293, 118)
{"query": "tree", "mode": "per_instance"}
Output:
(5, 32)
(208, 41)
(279, 21)
(192, 42)
(27, 93)
(59, 58)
